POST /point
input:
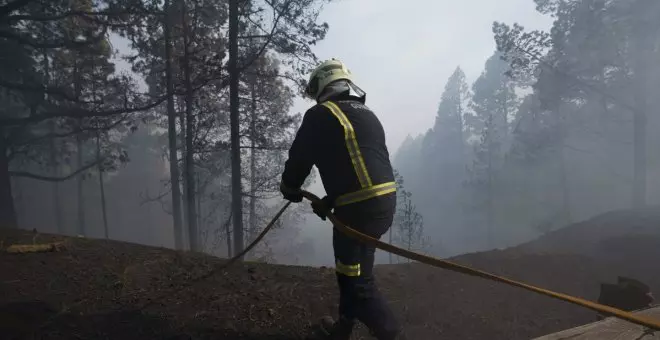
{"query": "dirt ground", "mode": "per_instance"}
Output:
(98, 289)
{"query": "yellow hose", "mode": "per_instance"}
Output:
(436, 262)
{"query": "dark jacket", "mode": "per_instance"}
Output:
(321, 141)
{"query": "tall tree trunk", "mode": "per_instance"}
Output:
(80, 179)
(182, 169)
(200, 220)
(189, 160)
(236, 190)
(171, 131)
(57, 207)
(489, 196)
(104, 212)
(253, 167)
(77, 80)
(228, 233)
(8, 218)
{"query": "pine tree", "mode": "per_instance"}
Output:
(493, 104)
(269, 129)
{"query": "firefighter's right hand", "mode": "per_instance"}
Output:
(322, 207)
(293, 195)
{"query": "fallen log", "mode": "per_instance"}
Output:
(35, 248)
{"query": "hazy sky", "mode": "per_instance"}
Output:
(403, 52)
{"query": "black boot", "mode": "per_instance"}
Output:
(335, 330)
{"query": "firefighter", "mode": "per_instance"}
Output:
(345, 140)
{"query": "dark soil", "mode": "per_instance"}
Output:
(99, 289)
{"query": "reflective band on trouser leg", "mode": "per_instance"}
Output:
(347, 269)
(351, 144)
(365, 194)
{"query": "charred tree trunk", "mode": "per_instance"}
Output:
(104, 212)
(80, 179)
(8, 218)
(253, 167)
(228, 233)
(57, 207)
(180, 103)
(198, 214)
(236, 190)
(171, 131)
(189, 161)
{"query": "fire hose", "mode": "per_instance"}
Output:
(444, 264)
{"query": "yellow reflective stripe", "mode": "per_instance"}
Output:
(365, 194)
(347, 269)
(351, 144)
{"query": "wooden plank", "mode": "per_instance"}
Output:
(610, 329)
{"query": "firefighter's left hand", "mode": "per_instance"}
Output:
(323, 207)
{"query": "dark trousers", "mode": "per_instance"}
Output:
(359, 298)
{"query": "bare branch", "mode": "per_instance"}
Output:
(79, 113)
(148, 199)
(54, 179)
(71, 133)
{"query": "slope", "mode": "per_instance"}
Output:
(108, 289)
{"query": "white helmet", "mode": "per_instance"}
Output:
(329, 71)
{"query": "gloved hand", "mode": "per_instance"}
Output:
(323, 207)
(293, 195)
